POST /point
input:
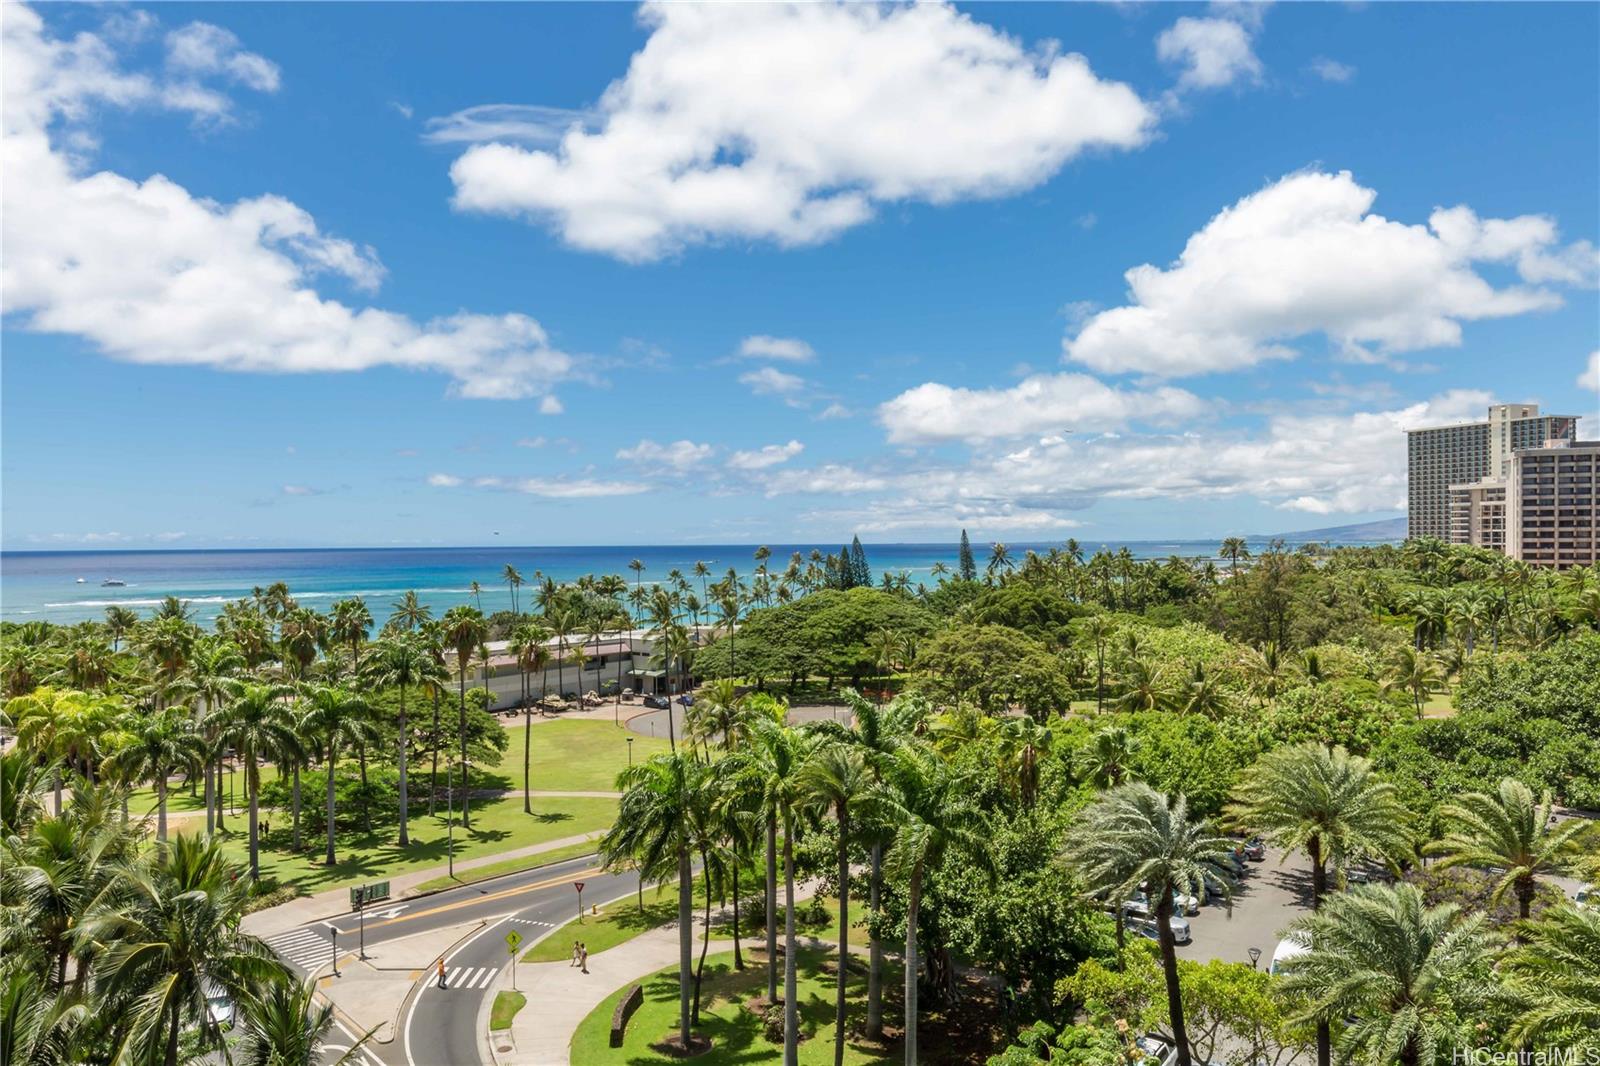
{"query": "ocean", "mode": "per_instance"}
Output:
(46, 584)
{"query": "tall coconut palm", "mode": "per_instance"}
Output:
(1233, 549)
(1510, 831)
(527, 644)
(339, 720)
(64, 728)
(212, 678)
(257, 722)
(1554, 975)
(465, 630)
(651, 833)
(120, 621)
(1329, 804)
(1390, 970)
(163, 743)
(408, 613)
(931, 807)
(403, 663)
(349, 621)
(775, 757)
(1133, 836)
(1024, 744)
(719, 712)
(836, 777)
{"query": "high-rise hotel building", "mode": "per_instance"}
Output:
(1520, 483)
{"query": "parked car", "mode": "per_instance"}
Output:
(1587, 897)
(1289, 947)
(660, 703)
(1156, 1051)
(1146, 927)
(1255, 849)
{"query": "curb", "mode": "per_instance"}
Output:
(394, 1023)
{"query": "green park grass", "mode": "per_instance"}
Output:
(506, 1005)
(508, 866)
(736, 1033)
(1439, 705)
(573, 755)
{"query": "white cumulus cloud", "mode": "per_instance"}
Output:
(770, 381)
(1590, 378)
(1307, 255)
(443, 481)
(782, 349)
(201, 48)
(679, 456)
(150, 273)
(791, 123)
(766, 456)
(1042, 403)
(1213, 52)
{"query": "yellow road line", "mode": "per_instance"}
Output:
(492, 896)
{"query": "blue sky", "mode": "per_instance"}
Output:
(390, 274)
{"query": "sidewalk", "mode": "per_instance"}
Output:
(560, 996)
(336, 901)
(370, 994)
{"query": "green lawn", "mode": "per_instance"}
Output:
(506, 1005)
(497, 825)
(736, 1033)
(573, 755)
(509, 866)
(1439, 705)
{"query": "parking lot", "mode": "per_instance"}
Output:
(1271, 894)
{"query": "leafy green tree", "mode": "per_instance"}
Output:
(1508, 831)
(860, 572)
(933, 814)
(1398, 976)
(966, 565)
(403, 664)
(1133, 836)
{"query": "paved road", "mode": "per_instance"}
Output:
(441, 1027)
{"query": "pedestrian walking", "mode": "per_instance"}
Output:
(583, 957)
(441, 974)
(577, 949)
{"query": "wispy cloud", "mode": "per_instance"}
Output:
(510, 123)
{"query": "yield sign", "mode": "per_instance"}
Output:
(578, 885)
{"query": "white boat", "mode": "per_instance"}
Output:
(80, 581)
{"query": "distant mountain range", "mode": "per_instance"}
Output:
(1385, 529)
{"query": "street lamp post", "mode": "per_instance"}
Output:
(1255, 957)
(333, 941)
(630, 751)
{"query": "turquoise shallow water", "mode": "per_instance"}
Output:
(44, 585)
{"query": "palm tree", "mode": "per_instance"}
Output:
(1554, 975)
(36, 1027)
(465, 630)
(836, 777)
(257, 722)
(1023, 745)
(528, 645)
(164, 742)
(403, 663)
(1411, 671)
(1392, 971)
(212, 677)
(285, 1025)
(349, 622)
(638, 580)
(774, 759)
(120, 621)
(1265, 671)
(513, 581)
(1101, 628)
(1104, 763)
(1329, 804)
(1511, 832)
(651, 833)
(931, 807)
(171, 939)
(1144, 687)
(339, 720)
(719, 711)
(64, 728)
(1233, 549)
(408, 612)
(1133, 836)
(1000, 562)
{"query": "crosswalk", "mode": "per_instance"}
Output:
(534, 921)
(470, 977)
(302, 948)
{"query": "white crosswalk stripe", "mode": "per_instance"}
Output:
(302, 948)
(534, 921)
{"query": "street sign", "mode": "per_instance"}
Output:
(578, 885)
(513, 941)
(361, 895)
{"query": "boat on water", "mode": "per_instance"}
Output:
(112, 583)
(80, 581)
